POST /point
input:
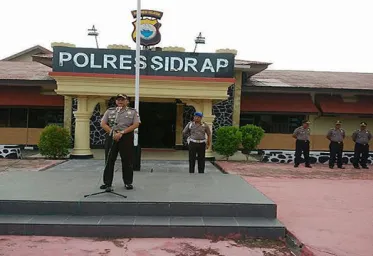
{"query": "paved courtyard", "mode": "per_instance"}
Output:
(330, 211)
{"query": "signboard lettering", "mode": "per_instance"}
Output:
(156, 63)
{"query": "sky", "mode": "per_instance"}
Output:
(321, 35)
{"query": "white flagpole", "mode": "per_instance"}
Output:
(137, 77)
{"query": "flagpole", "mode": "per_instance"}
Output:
(137, 77)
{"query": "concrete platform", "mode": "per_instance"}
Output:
(165, 202)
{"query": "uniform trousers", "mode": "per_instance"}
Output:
(125, 148)
(336, 150)
(197, 149)
(361, 154)
(302, 146)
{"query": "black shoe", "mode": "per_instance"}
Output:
(308, 166)
(365, 167)
(296, 165)
(105, 186)
(128, 186)
(356, 167)
(331, 166)
(341, 167)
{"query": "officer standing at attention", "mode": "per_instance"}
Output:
(336, 136)
(119, 123)
(197, 131)
(302, 144)
(361, 138)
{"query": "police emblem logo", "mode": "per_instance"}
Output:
(149, 27)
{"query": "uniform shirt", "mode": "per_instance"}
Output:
(302, 133)
(362, 136)
(126, 118)
(197, 131)
(336, 135)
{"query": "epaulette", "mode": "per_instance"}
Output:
(112, 108)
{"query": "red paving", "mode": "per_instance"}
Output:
(27, 164)
(62, 246)
(330, 211)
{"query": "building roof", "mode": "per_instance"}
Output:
(41, 49)
(28, 70)
(277, 102)
(334, 104)
(313, 79)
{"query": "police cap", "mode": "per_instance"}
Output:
(306, 122)
(363, 124)
(338, 122)
(123, 96)
(198, 114)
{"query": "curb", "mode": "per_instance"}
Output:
(296, 246)
(50, 166)
(221, 169)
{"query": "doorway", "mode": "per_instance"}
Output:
(157, 129)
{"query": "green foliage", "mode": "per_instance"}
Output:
(251, 137)
(228, 140)
(54, 142)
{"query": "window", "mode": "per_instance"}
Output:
(32, 118)
(39, 118)
(273, 123)
(4, 117)
(18, 117)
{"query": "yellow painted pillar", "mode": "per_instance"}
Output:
(82, 129)
(179, 126)
(208, 118)
(237, 98)
(67, 112)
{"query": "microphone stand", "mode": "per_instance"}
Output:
(110, 189)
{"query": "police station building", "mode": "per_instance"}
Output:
(74, 86)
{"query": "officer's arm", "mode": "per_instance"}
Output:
(295, 133)
(208, 132)
(186, 129)
(354, 136)
(104, 122)
(328, 136)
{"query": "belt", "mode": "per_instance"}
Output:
(339, 142)
(197, 141)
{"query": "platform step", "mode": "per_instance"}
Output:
(138, 208)
(139, 226)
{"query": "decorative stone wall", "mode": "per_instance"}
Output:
(223, 112)
(322, 157)
(10, 152)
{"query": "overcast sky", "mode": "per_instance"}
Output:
(292, 34)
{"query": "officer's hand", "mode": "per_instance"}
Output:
(117, 136)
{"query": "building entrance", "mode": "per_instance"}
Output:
(157, 129)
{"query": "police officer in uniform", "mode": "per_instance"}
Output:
(197, 131)
(302, 144)
(119, 123)
(361, 138)
(336, 136)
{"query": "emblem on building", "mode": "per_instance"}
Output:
(149, 27)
